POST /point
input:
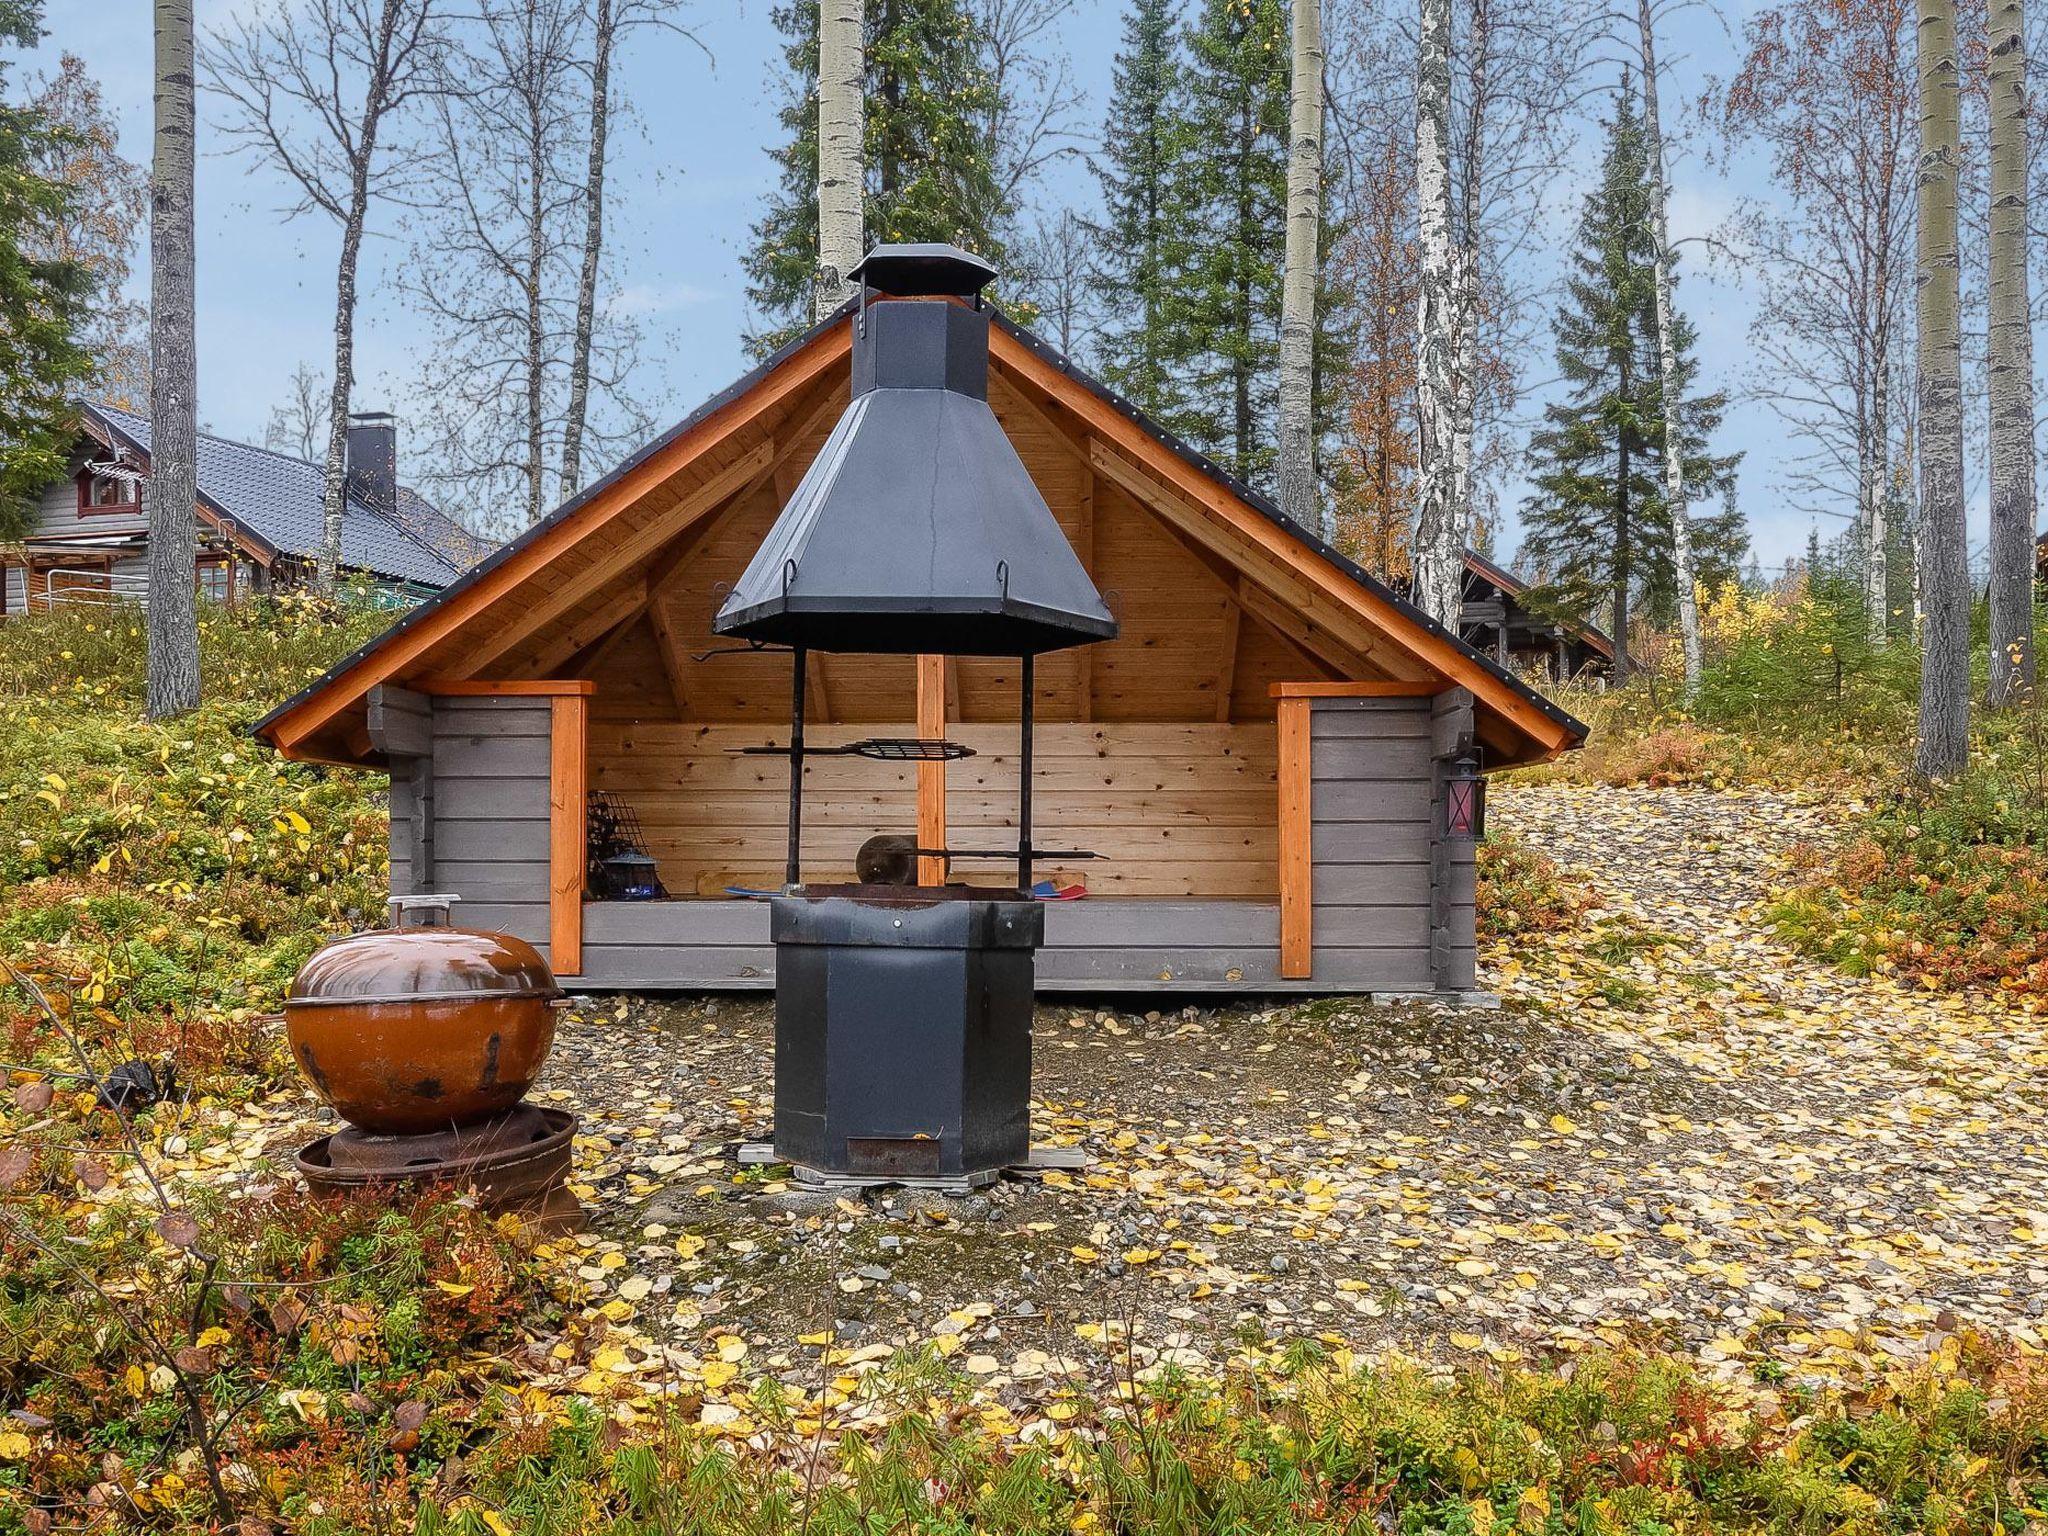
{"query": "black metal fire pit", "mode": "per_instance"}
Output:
(903, 1014)
(903, 1032)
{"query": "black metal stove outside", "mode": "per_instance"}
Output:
(903, 1014)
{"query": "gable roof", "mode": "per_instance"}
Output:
(276, 497)
(1514, 586)
(1125, 441)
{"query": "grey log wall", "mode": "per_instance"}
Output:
(1392, 902)
(469, 804)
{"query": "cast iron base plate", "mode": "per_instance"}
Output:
(516, 1162)
(756, 1154)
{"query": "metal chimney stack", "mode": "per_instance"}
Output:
(903, 1014)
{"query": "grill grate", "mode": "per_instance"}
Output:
(884, 749)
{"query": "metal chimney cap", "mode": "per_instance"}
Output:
(906, 271)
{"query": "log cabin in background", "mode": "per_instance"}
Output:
(260, 520)
(1260, 759)
(1500, 619)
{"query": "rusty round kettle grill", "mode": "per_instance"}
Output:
(903, 1013)
(425, 1037)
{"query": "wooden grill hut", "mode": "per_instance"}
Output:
(1259, 758)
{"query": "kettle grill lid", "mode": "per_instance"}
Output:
(404, 965)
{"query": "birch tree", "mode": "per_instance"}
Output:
(1438, 555)
(1471, 146)
(172, 685)
(1513, 78)
(1053, 269)
(497, 268)
(297, 423)
(1828, 92)
(842, 167)
(1944, 571)
(610, 21)
(1029, 114)
(1685, 575)
(1298, 497)
(97, 230)
(2010, 367)
(313, 88)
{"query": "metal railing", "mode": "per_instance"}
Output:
(63, 587)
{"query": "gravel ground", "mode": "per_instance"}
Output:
(1671, 1128)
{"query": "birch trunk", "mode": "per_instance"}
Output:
(172, 686)
(536, 341)
(1439, 532)
(334, 484)
(1945, 661)
(2011, 368)
(605, 29)
(1464, 408)
(1298, 294)
(1464, 396)
(1876, 524)
(1624, 542)
(842, 174)
(1685, 574)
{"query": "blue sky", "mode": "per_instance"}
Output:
(690, 174)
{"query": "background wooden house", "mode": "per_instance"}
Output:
(259, 516)
(1498, 620)
(1258, 757)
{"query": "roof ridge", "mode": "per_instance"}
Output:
(390, 517)
(231, 442)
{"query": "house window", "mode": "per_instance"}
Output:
(102, 494)
(216, 581)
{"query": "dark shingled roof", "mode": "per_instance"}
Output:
(277, 497)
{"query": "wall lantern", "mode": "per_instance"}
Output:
(1465, 799)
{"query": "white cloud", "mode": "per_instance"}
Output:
(644, 300)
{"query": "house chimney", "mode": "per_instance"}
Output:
(373, 460)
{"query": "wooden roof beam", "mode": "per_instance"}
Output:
(1421, 649)
(670, 649)
(635, 547)
(1226, 671)
(1010, 396)
(817, 692)
(1309, 638)
(591, 628)
(1084, 655)
(1222, 552)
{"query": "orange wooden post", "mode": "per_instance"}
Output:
(931, 777)
(568, 782)
(1296, 854)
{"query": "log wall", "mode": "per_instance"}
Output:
(1185, 899)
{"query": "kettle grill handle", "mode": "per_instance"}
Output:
(420, 911)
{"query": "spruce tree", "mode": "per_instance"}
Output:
(1225, 251)
(1598, 519)
(45, 296)
(929, 173)
(1143, 142)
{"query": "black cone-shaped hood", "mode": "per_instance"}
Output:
(917, 528)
